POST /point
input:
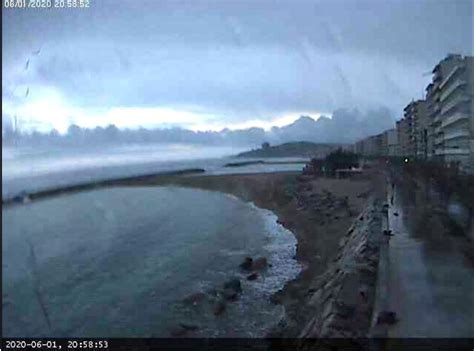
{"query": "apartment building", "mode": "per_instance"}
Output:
(416, 116)
(452, 111)
(439, 128)
(432, 109)
(403, 137)
(382, 140)
(392, 142)
(372, 146)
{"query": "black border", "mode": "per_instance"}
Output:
(405, 344)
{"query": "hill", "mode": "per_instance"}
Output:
(292, 149)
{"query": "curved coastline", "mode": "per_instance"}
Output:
(281, 193)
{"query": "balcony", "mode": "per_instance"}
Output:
(456, 84)
(461, 133)
(455, 102)
(456, 151)
(450, 75)
(458, 116)
(437, 119)
(439, 140)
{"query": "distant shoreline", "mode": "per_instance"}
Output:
(36, 195)
(301, 149)
(262, 162)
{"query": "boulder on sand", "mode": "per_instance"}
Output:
(252, 276)
(230, 294)
(231, 290)
(247, 264)
(259, 263)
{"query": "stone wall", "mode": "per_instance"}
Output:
(343, 296)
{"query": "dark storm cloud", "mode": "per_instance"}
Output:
(237, 60)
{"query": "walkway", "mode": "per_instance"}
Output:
(430, 283)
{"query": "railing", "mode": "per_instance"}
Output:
(456, 101)
(458, 116)
(450, 75)
(458, 83)
(456, 134)
(456, 151)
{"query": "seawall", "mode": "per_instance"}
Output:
(344, 295)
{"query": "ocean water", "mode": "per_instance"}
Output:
(120, 261)
(33, 169)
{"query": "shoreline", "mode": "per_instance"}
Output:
(312, 209)
(318, 211)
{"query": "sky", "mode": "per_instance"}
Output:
(208, 65)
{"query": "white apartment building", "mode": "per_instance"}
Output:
(451, 109)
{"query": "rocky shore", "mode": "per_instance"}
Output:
(337, 225)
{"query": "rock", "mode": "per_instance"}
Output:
(219, 307)
(387, 317)
(230, 294)
(259, 263)
(194, 299)
(277, 298)
(252, 276)
(233, 284)
(247, 264)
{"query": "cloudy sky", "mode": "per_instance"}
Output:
(212, 64)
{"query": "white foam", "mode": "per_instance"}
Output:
(281, 251)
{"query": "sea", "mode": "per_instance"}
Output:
(124, 261)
